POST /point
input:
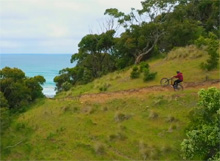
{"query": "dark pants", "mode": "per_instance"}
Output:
(176, 83)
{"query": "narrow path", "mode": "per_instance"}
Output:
(102, 97)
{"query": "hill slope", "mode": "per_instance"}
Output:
(187, 60)
(133, 120)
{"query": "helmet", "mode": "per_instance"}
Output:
(177, 71)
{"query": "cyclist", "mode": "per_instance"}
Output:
(180, 79)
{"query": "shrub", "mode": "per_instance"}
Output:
(149, 76)
(104, 87)
(212, 44)
(135, 73)
(66, 86)
(203, 137)
(143, 65)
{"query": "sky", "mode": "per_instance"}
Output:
(53, 26)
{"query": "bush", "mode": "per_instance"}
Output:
(17, 90)
(203, 137)
(135, 73)
(149, 76)
(143, 65)
(66, 86)
(104, 87)
(212, 44)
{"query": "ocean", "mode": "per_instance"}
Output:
(46, 65)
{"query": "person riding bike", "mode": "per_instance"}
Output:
(180, 79)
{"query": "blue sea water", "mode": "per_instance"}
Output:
(46, 65)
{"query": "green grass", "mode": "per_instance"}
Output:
(165, 67)
(146, 126)
(73, 130)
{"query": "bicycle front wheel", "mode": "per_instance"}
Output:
(164, 82)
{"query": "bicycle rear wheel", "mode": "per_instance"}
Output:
(178, 88)
(164, 82)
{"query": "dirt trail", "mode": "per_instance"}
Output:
(105, 96)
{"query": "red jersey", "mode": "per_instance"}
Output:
(179, 76)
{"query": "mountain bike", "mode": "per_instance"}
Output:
(169, 81)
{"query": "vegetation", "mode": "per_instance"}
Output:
(82, 124)
(135, 72)
(17, 90)
(112, 130)
(155, 29)
(212, 45)
(144, 68)
(203, 140)
(135, 119)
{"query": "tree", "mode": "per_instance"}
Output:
(18, 89)
(34, 85)
(95, 58)
(204, 11)
(3, 101)
(203, 139)
(212, 44)
(143, 26)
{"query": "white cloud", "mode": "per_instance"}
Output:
(28, 25)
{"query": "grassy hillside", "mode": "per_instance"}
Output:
(143, 125)
(187, 60)
(130, 128)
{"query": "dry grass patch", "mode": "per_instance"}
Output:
(191, 52)
(99, 148)
(119, 117)
(153, 115)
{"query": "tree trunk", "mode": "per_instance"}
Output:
(147, 50)
(138, 59)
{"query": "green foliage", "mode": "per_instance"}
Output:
(149, 76)
(104, 87)
(18, 89)
(135, 73)
(203, 139)
(171, 23)
(143, 65)
(94, 59)
(154, 29)
(212, 45)
(15, 74)
(3, 100)
(5, 119)
(66, 86)
(142, 68)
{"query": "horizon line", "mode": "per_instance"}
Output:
(38, 53)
